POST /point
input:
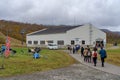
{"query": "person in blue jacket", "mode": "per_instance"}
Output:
(103, 55)
(36, 55)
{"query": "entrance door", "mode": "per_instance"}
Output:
(99, 44)
(83, 41)
(72, 42)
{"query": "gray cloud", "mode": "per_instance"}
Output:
(100, 12)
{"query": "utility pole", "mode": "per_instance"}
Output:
(22, 41)
(22, 34)
(90, 36)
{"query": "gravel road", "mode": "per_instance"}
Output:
(73, 72)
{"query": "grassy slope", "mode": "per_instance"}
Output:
(14, 28)
(14, 42)
(22, 63)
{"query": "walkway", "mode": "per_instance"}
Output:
(108, 67)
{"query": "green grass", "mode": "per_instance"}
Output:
(113, 56)
(23, 62)
(109, 45)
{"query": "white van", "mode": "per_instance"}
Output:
(52, 46)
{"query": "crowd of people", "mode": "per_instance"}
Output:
(89, 55)
(35, 51)
(73, 49)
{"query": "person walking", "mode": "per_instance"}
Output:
(69, 48)
(82, 51)
(73, 49)
(77, 47)
(85, 54)
(89, 55)
(103, 55)
(94, 56)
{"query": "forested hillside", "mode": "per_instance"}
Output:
(13, 29)
(14, 42)
(112, 37)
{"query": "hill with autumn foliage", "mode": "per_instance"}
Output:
(13, 29)
(112, 37)
(14, 42)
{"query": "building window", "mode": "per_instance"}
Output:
(83, 41)
(50, 41)
(42, 42)
(29, 42)
(72, 42)
(35, 42)
(61, 42)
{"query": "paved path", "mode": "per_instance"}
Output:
(108, 67)
(114, 47)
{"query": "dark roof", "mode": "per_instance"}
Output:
(54, 30)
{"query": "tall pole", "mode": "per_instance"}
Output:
(22, 38)
(22, 34)
(90, 33)
(2, 53)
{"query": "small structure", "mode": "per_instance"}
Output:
(85, 34)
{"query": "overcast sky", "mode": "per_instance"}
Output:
(103, 13)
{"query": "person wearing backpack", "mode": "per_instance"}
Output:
(85, 54)
(103, 55)
(94, 56)
(89, 55)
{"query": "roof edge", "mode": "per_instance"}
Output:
(36, 31)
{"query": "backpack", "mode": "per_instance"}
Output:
(95, 54)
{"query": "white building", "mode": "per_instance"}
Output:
(84, 35)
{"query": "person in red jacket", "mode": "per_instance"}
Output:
(94, 56)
